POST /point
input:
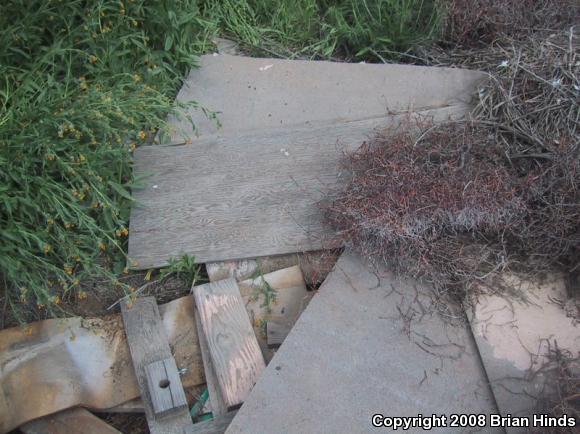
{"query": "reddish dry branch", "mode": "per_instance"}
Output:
(471, 23)
(409, 194)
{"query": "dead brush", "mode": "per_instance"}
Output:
(427, 204)
(563, 369)
(456, 203)
(472, 23)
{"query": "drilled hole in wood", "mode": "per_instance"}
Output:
(164, 384)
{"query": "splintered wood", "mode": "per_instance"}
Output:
(233, 347)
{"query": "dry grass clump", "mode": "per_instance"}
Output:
(563, 369)
(427, 204)
(472, 23)
(454, 203)
(533, 107)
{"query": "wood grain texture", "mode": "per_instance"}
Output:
(165, 389)
(148, 344)
(234, 350)
(217, 425)
(296, 93)
(216, 399)
(243, 196)
(73, 421)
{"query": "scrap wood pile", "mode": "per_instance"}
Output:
(459, 202)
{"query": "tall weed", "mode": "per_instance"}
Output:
(82, 84)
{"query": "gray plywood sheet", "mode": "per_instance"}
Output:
(515, 339)
(252, 94)
(367, 343)
(242, 196)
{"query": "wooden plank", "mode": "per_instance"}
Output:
(216, 399)
(165, 389)
(234, 350)
(218, 425)
(148, 344)
(259, 198)
(253, 94)
(73, 421)
(369, 339)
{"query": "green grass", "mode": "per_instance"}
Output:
(83, 82)
(348, 29)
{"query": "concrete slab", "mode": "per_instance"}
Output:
(367, 343)
(515, 337)
(255, 94)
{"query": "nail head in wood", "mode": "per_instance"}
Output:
(165, 387)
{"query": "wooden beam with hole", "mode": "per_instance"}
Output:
(233, 347)
(161, 389)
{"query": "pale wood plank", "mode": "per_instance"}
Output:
(216, 399)
(241, 197)
(217, 425)
(148, 344)
(234, 350)
(73, 421)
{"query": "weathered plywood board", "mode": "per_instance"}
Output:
(73, 421)
(234, 350)
(368, 343)
(243, 196)
(216, 400)
(252, 94)
(516, 338)
(148, 344)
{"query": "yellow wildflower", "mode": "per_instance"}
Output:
(142, 135)
(102, 246)
(50, 157)
(47, 248)
(82, 295)
(136, 77)
(50, 222)
(68, 270)
(132, 146)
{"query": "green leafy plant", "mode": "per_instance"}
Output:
(82, 84)
(350, 29)
(184, 267)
